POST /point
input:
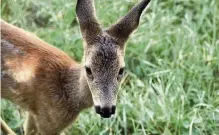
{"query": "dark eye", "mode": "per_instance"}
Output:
(121, 71)
(88, 70)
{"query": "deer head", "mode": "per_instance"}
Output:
(104, 52)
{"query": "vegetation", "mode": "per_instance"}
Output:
(172, 81)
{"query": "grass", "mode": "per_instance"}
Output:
(172, 84)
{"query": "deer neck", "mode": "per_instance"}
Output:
(84, 90)
(80, 92)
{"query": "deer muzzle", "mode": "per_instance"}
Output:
(105, 112)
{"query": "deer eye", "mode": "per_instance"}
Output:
(121, 71)
(88, 70)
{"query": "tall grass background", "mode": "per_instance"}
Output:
(172, 81)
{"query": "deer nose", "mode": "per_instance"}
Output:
(105, 112)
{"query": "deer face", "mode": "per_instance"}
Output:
(104, 68)
(104, 53)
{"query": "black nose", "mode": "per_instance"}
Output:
(105, 112)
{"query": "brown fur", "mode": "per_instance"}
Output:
(51, 86)
(53, 91)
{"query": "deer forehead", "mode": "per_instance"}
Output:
(106, 52)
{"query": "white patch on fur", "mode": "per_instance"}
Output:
(24, 75)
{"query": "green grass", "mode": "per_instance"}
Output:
(172, 84)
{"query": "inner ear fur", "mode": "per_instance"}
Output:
(127, 24)
(87, 19)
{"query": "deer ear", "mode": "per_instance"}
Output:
(87, 19)
(127, 24)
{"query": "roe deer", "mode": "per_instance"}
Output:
(52, 87)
